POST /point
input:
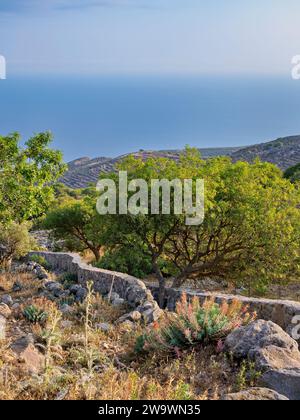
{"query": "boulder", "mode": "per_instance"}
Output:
(81, 294)
(2, 328)
(265, 343)
(150, 312)
(284, 381)
(7, 299)
(134, 316)
(74, 288)
(274, 352)
(41, 273)
(53, 286)
(256, 394)
(28, 354)
(5, 310)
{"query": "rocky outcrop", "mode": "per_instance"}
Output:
(128, 289)
(274, 352)
(256, 394)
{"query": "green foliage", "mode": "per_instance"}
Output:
(27, 174)
(251, 227)
(140, 343)
(194, 323)
(15, 241)
(39, 259)
(35, 315)
(68, 279)
(78, 224)
(293, 173)
(127, 259)
(247, 376)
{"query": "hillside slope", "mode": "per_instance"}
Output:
(284, 152)
(84, 171)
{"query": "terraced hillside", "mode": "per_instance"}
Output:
(284, 152)
(84, 171)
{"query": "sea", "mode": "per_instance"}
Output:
(113, 115)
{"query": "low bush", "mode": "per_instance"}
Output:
(41, 261)
(15, 242)
(194, 323)
(68, 279)
(35, 315)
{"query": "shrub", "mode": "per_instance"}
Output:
(194, 323)
(68, 279)
(15, 242)
(41, 261)
(35, 315)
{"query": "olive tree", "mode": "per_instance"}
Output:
(251, 228)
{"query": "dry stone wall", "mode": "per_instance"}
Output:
(143, 299)
(129, 288)
(281, 312)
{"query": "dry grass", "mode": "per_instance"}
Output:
(87, 363)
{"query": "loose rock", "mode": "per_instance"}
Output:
(256, 394)
(284, 381)
(7, 299)
(17, 286)
(28, 354)
(5, 310)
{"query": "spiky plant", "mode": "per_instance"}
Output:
(194, 323)
(35, 315)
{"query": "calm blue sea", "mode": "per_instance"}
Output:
(108, 116)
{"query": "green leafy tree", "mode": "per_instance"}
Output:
(27, 176)
(251, 228)
(78, 224)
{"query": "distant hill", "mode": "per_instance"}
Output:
(84, 171)
(284, 152)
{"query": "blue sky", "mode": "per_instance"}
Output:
(149, 36)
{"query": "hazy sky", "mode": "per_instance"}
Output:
(149, 36)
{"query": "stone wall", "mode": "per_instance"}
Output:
(281, 312)
(142, 299)
(129, 288)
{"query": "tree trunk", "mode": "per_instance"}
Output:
(96, 252)
(161, 283)
(162, 293)
(179, 280)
